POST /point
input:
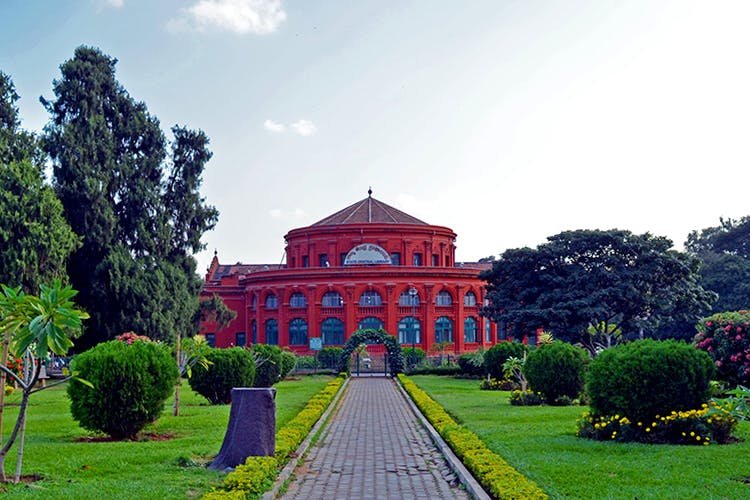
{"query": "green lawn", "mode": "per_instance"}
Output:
(540, 442)
(148, 469)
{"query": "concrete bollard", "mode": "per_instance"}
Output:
(251, 430)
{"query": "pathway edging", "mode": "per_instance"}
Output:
(288, 469)
(467, 479)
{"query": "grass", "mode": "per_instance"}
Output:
(157, 469)
(540, 442)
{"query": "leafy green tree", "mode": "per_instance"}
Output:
(725, 252)
(587, 278)
(34, 236)
(37, 326)
(133, 197)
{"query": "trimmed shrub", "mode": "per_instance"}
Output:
(526, 398)
(267, 364)
(498, 385)
(645, 378)
(330, 357)
(288, 362)
(497, 476)
(305, 362)
(234, 367)
(413, 356)
(472, 364)
(131, 383)
(726, 338)
(499, 354)
(556, 369)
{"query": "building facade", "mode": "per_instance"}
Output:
(367, 266)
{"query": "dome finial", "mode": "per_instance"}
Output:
(369, 192)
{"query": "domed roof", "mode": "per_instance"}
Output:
(369, 210)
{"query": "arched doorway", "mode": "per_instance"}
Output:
(394, 358)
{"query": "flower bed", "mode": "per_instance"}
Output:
(498, 478)
(709, 424)
(257, 474)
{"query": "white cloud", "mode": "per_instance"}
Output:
(273, 126)
(304, 127)
(116, 3)
(259, 17)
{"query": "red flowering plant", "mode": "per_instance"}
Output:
(130, 337)
(15, 365)
(726, 338)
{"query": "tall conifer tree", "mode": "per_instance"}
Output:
(137, 208)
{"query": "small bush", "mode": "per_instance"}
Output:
(288, 362)
(499, 354)
(330, 357)
(498, 385)
(726, 338)
(472, 363)
(556, 369)
(267, 365)
(413, 356)
(526, 398)
(646, 378)
(131, 383)
(228, 368)
(305, 362)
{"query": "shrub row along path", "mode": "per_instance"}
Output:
(374, 447)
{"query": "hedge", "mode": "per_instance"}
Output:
(498, 477)
(257, 474)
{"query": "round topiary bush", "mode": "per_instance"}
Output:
(556, 370)
(288, 362)
(131, 383)
(227, 368)
(499, 354)
(267, 365)
(646, 378)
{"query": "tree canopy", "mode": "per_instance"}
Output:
(585, 279)
(725, 252)
(35, 238)
(133, 197)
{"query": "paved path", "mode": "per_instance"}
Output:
(373, 448)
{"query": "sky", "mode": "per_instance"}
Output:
(506, 120)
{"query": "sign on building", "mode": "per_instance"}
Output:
(367, 253)
(316, 343)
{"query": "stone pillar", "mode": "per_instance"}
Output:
(459, 326)
(428, 328)
(251, 430)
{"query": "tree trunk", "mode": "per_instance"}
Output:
(176, 406)
(3, 378)
(21, 439)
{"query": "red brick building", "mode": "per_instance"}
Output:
(367, 266)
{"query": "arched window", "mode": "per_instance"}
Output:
(470, 299)
(409, 330)
(487, 331)
(332, 331)
(272, 301)
(298, 332)
(254, 332)
(443, 330)
(272, 332)
(443, 299)
(370, 322)
(254, 302)
(332, 299)
(407, 300)
(297, 300)
(370, 298)
(470, 330)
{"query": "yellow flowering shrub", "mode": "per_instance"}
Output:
(701, 426)
(497, 477)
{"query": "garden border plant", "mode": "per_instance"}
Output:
(257, 474)
(496, 475)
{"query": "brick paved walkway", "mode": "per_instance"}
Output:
(372, 448)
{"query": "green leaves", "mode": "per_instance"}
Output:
(45, 323)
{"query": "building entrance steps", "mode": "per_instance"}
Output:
(374, 447)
